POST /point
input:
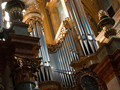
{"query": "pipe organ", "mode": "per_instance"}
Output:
(44, 72)
(64, 50)
(57, 58)
(85, 34)
(34, 17)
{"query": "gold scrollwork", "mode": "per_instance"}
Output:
(63, 31)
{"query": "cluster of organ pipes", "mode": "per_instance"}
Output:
(85, 35)
(56, 66)
(59, 62)
(62, 59)
(67, 52)
(44, 73)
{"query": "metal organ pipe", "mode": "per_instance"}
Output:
(66, 60)
(65, 56)
(86, 38)
(62, 67)
(69, 57)
(44, 73)
(64, 64)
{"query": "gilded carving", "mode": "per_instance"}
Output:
(33, 15)
(59, 39)
(53, 48)
(23, 69)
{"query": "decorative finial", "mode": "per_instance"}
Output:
(106, 24)
(14, 8)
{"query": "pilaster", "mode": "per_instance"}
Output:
(48, 36)
(108, 69)
(52, 7)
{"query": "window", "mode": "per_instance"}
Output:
(107, 4)
(5, 15)
(111, 11)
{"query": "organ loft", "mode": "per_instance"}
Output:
(59, 44)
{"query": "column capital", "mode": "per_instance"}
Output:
(33, 11)
(23, 69)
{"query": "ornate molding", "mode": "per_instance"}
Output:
(32, 11)
(53, 48)
(64, 28)
(31, 21)
(86, 72)
(32, 15)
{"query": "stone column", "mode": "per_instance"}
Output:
(49, 36)
(52, 7)
(22, 48)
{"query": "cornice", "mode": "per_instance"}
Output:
(32, 11)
